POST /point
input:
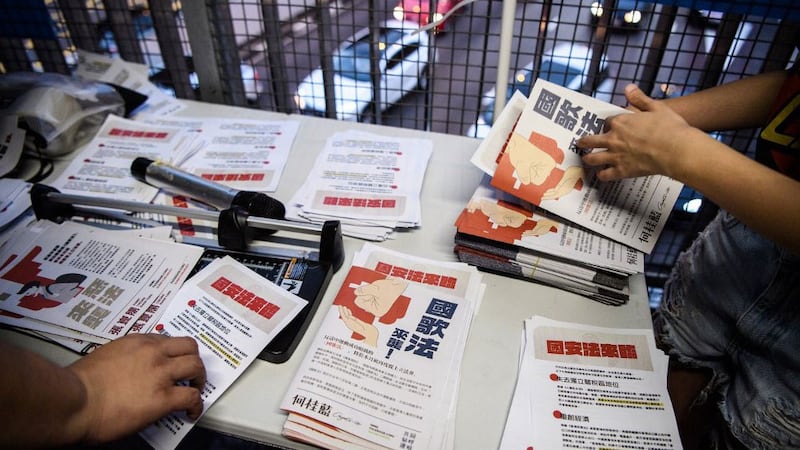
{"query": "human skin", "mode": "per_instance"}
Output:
(118, 389)
(670, 138)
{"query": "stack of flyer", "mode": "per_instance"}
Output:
(237, 153)
(383, 370)
(233, 313)
(580, 386)
(370, 183)
(541, 215)
(82, 286)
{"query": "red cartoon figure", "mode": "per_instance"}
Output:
(367, 295)
(40, 292)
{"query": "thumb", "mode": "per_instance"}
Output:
(637, 98)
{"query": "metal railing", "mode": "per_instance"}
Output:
(255, 53)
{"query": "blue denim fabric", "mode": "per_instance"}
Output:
(732, 305)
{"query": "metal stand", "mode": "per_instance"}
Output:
(235, 228)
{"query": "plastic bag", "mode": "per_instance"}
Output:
(59, 113)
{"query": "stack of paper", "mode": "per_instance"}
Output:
(241, 154)
(543, 216)
(383, 369)
(103, 167)
(237, 153)
(370, 183)
(83, 286)
(15, 200)
(502, 234)
(133, 76)
(580, 386)
(232, 313)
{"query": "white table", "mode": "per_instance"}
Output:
(249, 409)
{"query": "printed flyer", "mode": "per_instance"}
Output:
(582, 386)
(497, 216)
(383, 366)
(541, 164)
(232, 313)
(94, 281)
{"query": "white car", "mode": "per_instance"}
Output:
(403, 60)
(566, 64)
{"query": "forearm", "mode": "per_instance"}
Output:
(743, 103)
(758, 196)
(42, 402)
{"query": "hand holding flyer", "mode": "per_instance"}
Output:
(541, 164)
(232, 313)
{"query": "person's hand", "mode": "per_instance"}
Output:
(648, 141)
(133, 381)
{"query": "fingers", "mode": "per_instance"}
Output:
(596, 159)
(189, 368)
(591, 142)
(178, 346)
(638, 99)
(182, 398)
(185, 365)
(609, 173)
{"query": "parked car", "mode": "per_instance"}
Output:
(566, 64)
(403, 65)
(626, 15)
(419, 11)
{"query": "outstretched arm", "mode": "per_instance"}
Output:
(739, 104)
(118, 389)
(659, 140)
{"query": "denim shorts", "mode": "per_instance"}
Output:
(732, 305)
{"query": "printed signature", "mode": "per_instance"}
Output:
(342, 418)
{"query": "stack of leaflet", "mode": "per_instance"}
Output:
(102, 168)
(370, 183)
(238, 153)
(499, 233)
(243, 154)
(247, 309)
(14, 200)
(383, 370)
(542, 216)
(82, 286)
(600, 387)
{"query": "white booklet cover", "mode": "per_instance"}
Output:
(385, 362)
(540, 163)
(232, 313)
